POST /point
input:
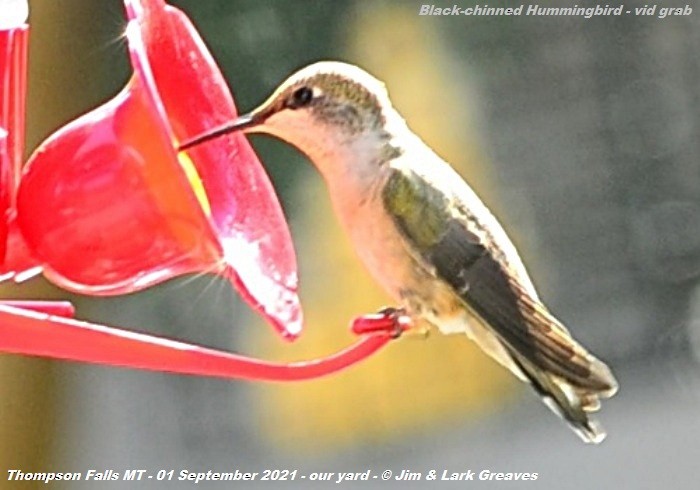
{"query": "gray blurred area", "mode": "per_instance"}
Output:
(591, 127)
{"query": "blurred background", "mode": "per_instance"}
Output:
(580, 134)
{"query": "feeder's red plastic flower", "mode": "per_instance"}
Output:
(4, 197)
(14, 34)
(109, 207)
(13, 91)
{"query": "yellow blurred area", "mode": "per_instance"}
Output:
(195, 181)
(414, 384)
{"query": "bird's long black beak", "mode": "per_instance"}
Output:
(238, 124)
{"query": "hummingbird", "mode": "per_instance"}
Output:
(424, 235)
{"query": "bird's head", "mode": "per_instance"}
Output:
(318, 109)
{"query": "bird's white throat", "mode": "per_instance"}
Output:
(357, 160)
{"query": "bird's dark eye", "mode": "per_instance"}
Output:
(301, 97)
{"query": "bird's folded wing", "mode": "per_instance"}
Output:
(452, 245)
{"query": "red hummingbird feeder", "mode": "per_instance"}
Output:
(106, 205)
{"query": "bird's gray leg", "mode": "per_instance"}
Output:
(397, 315)
(401, 317)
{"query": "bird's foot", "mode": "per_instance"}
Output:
(394, 321)
(402, 321)
(407, 325)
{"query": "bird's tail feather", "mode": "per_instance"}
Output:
(571, 403)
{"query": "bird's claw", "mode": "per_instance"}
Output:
(400, 318)
(394, 321)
